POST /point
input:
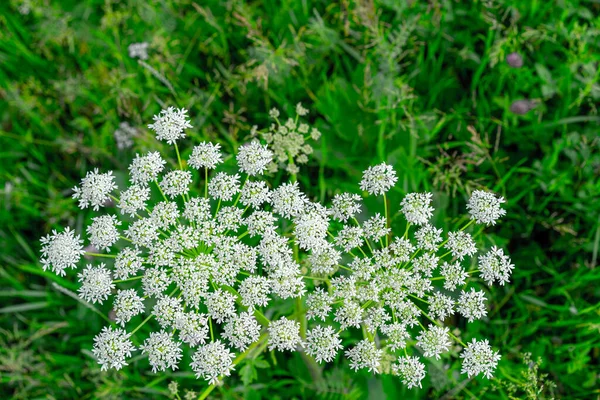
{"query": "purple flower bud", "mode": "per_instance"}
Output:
(514, 60)
(521, 107)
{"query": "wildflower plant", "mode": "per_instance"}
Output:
(205, 271)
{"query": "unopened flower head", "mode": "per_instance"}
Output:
(485, 207)
(170, 124)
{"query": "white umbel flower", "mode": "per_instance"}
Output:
(434, 341)
(127, 305)
(144, 169)
(205, 155)
(378, 179)
(163, 352)
(376, 227)
(416, 208)
(95, 189)
(197, 210)
(103, 231)
(454, 275)
(128, 262)
(495, 266)
(165, 214)
(61, 251)
(349, 315)
(411, 370)
(461, 244)
(242, 330)
(134, 199)
(166, 310)
(253, 158)
(288, 201)
(345, 206)
(220, 305)
(323, 343)
(155, 281)
(170, 124)
(138, 50)
(441, 306)
(365, 355)
(193, 328)
(478, 357)
(428, 237)
(472, 304)
(261, 223)
(397, 335)
(212, 361)
(349, 237)
(318, 304)
(96, 283)
(224, 186)
(255, 194)
(402, 249)
(176, 183)
(485, 207)
(254, 291)
(284, 334)
(112, 347)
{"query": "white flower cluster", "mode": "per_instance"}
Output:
(204, 266)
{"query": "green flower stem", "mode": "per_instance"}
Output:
(129, 279)
(387, 219)
(366, 240)
(237, 360)
(142, 324)
(100, 255)
(160, 190)
(261, 318)
(205, 182)
(178, 156)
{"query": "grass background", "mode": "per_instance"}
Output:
(423, 85)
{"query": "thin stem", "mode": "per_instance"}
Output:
(100, 255)
(160, 190)
(178, 156)
(387, 219)
(142, 324)
(129, 279)
(205, 182)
